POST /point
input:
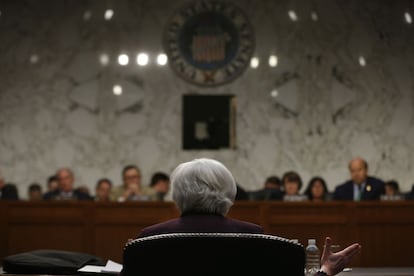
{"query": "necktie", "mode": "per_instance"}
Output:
(359, 192)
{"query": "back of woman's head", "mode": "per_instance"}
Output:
(203, 186)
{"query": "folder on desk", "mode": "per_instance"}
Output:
(110, 267)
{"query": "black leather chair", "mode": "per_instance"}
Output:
(213, 254)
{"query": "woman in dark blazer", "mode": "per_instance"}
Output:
(204, 190)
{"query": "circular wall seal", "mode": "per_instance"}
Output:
(209, 42)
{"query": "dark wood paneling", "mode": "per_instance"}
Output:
(383, 228)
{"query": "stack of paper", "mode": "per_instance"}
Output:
(110, 267)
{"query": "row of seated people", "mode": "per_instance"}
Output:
(361, 186)
(288, 189)
(61, 186)
(207, 212)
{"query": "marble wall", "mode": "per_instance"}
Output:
(343, 87)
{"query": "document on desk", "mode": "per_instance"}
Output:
(110, 267)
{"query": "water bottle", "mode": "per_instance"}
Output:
(313, 258)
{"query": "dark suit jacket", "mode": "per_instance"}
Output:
(197, 223)
(9, 192)
(77, 195)
(374, 188)
(266, 194)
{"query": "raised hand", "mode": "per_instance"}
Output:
(333, 263)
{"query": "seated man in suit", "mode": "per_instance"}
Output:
(132, 189)
(271, 190)
(410, 194)
(361, 186)
(66, 189)
(8, 191)
(204, 190)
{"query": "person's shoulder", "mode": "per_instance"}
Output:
(343, 191)
(9, 191)
(50, 194)
(245, 226)
(116, 192)
(257, 194)
(265, 194)
(147, 190)
(375, 180)
(118, 188)
(275, 194)
(82, 196)
(159, 228)
(343, 185)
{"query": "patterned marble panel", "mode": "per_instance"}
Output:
(57, 106)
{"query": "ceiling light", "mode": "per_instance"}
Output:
(34, 59)
(362, 61)
(123, 59)
(254, 62)
(408, 18)
(292, 15)
(108, 14)
(87, 15)
(117, 89)
(104, 59)
(142, 59)
(273, 61)
(314, 16)
(162, 59)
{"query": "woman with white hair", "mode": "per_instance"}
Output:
(204, 190)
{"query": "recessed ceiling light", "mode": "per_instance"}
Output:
(87, 15)
(34, 59)
(273, 61)
(292, 15)
(162, 59)
(142, 59)
(254, 62)
(104, 59)
(117, 89)
(362, 61)
(108, 14)
(408, 18)
(314, 16)
(123, 59)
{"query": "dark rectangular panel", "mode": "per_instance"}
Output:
(208, 121)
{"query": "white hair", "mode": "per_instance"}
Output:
(203, 186)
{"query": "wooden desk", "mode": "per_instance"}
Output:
(385, 229)
(379, 271)
(372, 271)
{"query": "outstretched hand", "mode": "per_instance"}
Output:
(333, 263)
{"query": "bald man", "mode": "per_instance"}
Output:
(360, 186)
(66, 189)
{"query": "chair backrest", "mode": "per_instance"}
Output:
(213, 254)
